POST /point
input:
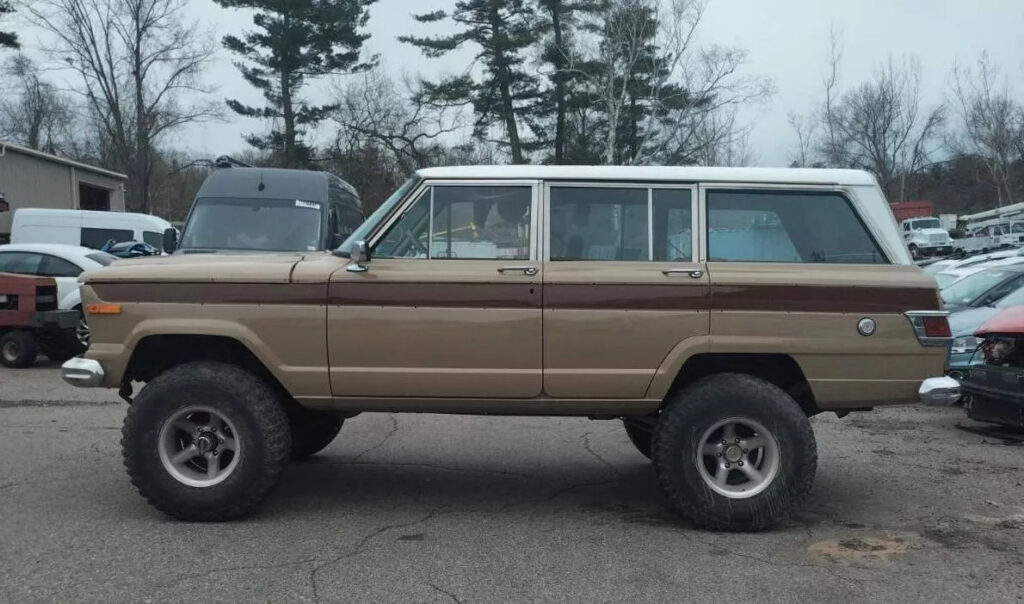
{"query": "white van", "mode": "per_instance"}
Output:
(85, 228)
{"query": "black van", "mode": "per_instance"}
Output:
(268, 209)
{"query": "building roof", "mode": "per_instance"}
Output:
(6, 147)
(655, 174)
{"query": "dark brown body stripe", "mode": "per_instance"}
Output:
(436, 295)
(213, 293)
(822, 298)
(772, 298)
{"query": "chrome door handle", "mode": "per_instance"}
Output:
(691, 272)
(526, 270)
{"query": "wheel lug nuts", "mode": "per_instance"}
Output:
(741, 463)
(215, 454)
(737, 441)
(718, 454)
(744, 451)
(214, 429)
(727, 464)
(725, 442)
(222, 441)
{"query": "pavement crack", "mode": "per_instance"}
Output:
(453, 597)
(394, 428)
(361, 545)
(558, 493)
(595, 454)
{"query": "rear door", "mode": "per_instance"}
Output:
(623, 285)
(450, 303)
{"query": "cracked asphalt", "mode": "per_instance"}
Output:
(421, 508)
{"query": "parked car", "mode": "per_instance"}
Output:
(268, 209)
(984, 288)
(926, 237)
(131, 249)
(993, 388)
(86, 228)
(966, 268)
(63, 263)
(30, 321)
(964, 323)
(533, 290)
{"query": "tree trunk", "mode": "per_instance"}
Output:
(141, 159)
(559, 64)
(288, 114)
(505, 86)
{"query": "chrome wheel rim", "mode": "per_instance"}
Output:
(199, 446)
(82, 332)
(738, 457)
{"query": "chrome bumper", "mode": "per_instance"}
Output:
(84, 373)
(939, 391)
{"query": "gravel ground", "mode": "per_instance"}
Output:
(425, 508)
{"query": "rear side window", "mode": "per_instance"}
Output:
(102, 258)
(787, 226)
(97, 238)
(51, 266)
(154, 239)
(21, 263)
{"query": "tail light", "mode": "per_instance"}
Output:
(931, 327)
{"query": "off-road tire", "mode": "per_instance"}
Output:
(18, 349)
(640, 433)
(62, 348)
(692, 411)
(311, 430)
(262, 431)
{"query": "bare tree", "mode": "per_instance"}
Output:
(991, 123)
(37, 115)
(806, 130)
(665, 97)
(374, 108)
(139, 64)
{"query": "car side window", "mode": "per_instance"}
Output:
(598, 223)
(97, 238)
(154, 239)
(672, 225)
(787, 226)
(463, 223)
(20, 263)
(51, 266)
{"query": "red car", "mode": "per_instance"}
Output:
(994, 388)
(30, 321)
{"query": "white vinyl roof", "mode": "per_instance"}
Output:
(655, 174)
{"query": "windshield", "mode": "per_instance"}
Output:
(937, 267)
(946, 279)
(101, 258)
(967, 290)
(238, 223)
(926, 224)
(368, 225)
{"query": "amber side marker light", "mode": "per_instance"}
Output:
(103, 309)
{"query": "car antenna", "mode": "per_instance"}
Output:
(261, 185)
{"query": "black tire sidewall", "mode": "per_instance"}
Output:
(28, 349)
(250, 407)
(683, 425)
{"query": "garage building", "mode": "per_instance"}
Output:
(33, 179)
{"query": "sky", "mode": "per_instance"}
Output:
(787, 41)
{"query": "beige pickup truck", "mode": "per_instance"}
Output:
(711, 310)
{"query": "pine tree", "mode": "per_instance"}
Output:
(293, 42)
(503, 30)
(7, 39)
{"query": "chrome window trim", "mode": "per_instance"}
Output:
(414, 195)
(847, 193)
(546, 186)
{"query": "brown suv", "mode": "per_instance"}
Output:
(712, 310)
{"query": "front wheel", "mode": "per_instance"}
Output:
(733, 452)
(205, 441)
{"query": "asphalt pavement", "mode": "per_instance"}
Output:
(429, 508)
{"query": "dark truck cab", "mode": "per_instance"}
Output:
(268, 209)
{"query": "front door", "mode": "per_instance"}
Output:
(450, 303)
(622, 286)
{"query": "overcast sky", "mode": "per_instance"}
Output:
(787, 41)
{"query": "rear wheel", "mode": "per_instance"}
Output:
(734, 452)
(18, 349)
(205, 441)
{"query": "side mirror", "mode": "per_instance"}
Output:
(170, 242)
(360, 256)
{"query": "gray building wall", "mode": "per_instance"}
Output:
(34, 180)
